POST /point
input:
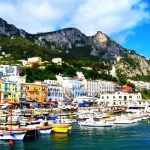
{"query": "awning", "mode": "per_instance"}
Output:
(6, 105)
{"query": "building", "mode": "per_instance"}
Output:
(126, 88)
(119, 99)
(18, 80)
(8, 92)
(24, 62)
(92, 87)
(80, 75)
(1, 74)
(96, 87)
(8, 70)
(51, 82)
(34, 92)
(141, 85)
(57, 61)
(55, 90)
(113, 71)
(33, 60)
(55, 93)
(71, 87)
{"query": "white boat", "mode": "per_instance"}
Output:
(91, 123)
(30, 124)
(45, 131)
(65, 120)
(135, 109)
(15, 135)
(124, 121)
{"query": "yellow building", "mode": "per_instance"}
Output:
(8, 92)
(34, 92)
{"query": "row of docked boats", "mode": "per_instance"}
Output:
(19, 126)
(16, 127)
(113, 120)
(32, 130)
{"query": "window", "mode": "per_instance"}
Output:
(5, 96)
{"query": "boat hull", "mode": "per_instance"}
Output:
(96, 125)
(60, 129)
(12, 136)
(45, 131)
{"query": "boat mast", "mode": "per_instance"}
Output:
(60, 115)
(10, 118)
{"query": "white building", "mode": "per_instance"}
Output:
(57, 61)
(96, 87)
(119, 99)
(141, 85)
(8, 70)
(55, 93)
(51, 82)
(24, 62)
(80, 75)
(55, 90)
(113, 71)
(17, 79)
(71, 87)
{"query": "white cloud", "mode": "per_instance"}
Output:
(37, 15)
(108, 16)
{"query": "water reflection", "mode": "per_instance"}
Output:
(60, 140)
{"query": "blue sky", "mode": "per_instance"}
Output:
(126, 21)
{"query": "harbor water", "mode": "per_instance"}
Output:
(129, 137)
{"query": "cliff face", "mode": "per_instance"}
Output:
(10, 30)
(133, 65)
(105, 48)
(99, 45)
(64, 39)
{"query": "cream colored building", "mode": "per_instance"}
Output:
(57, 61)
(119, 99)
(34, 60)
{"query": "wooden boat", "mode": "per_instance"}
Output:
(45, 130)
(10, 134)
(15, 135)
(61, 128)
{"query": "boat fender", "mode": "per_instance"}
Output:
(1, 135)
(11, 142)
(12, 134)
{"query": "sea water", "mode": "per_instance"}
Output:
(129, 137)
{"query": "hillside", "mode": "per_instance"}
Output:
(71, 44)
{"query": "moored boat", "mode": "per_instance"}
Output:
(61, 128)
(15, 135)
(91, 123)
(45, 130)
